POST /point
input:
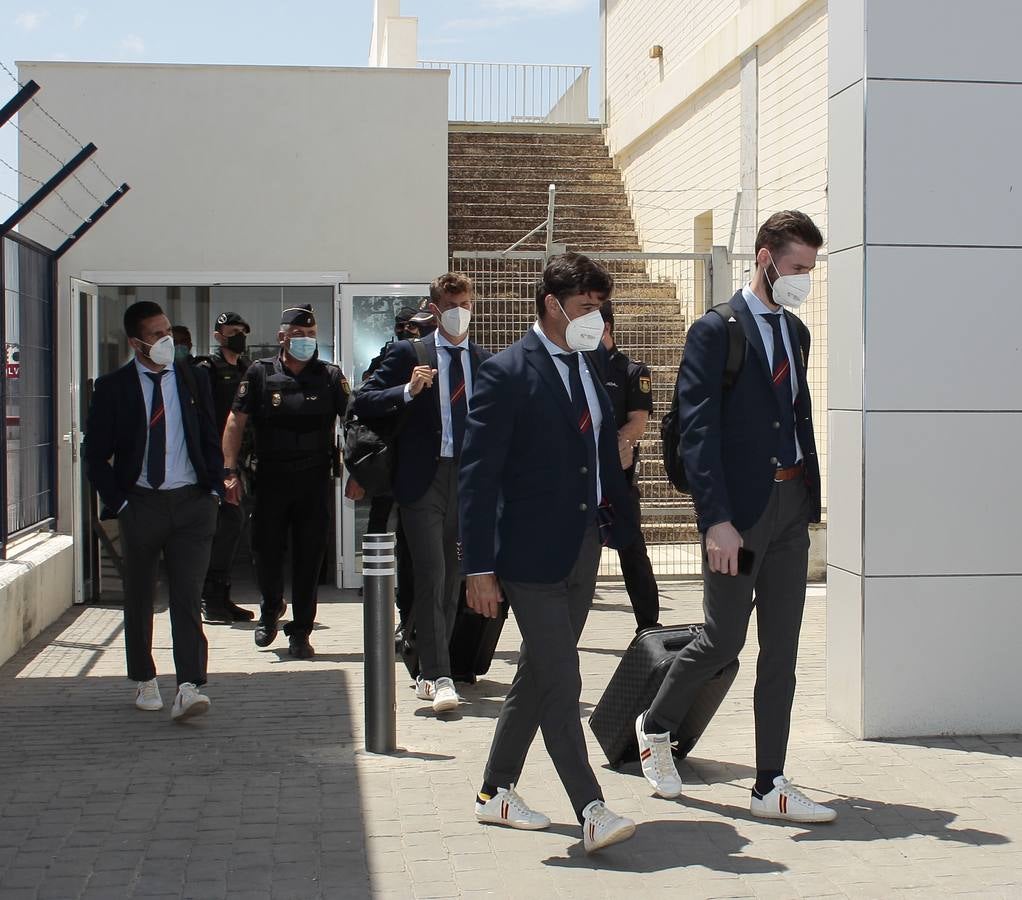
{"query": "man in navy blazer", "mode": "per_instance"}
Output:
(152, 451)
(541, 478)
(436, 399)
(750, 459)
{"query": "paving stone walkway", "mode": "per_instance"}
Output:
(271, 797)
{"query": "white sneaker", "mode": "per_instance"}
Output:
(657, 761)
(446, 697)
(601, 827)
(787, 802)
(424, 690)
(507, 807)
(147, 696)
(189, 702)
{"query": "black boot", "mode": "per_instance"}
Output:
(299, 646)
(266, 630)
(214, 606)
(238, 613)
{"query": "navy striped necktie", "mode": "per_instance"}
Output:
(781, 366)
(156, 459)
(459, 401)
(585, 423)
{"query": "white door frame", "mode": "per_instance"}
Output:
(76, 433)
(344, 511)
(347, 576)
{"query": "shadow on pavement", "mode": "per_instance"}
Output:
(669, 844)
(868, 820)
(262, 795)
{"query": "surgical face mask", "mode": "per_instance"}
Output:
(455, 321)
(585, 332)
(790, 290)
(162, 352)
(180, 353)
(302, 348)
(235, 343)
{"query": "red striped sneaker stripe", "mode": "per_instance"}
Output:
(647, 753)
(503, 809)
(784, 804)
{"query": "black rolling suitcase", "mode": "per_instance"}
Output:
(635, 683)
(472, 645)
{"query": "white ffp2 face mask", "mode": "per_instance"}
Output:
(790, 290)
(162, 352)
(455, 321)
(585, 332)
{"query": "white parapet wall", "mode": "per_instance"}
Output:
(35, 589)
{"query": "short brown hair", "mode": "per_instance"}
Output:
(449, 283)
(784, 227)
(573, 273)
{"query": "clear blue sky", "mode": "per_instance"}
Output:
(301, 32)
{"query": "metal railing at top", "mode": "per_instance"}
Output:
(512, 93)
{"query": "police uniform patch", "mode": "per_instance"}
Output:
(276, 399)
(345, 387)
(645, 384)
(243, 389)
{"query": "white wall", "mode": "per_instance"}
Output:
(247, 169)
(926, 414)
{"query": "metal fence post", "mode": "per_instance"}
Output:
(720, 277)
(378, 572)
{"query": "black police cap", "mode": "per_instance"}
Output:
(231, 318)
(302, 316)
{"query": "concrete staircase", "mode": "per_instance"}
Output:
(497, 192)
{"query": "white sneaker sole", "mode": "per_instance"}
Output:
(660, 792)
(149, 707)
(487, 819)
(621, 833)
(198, 708)
(810, 819)
(442, 706)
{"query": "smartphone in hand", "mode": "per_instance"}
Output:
(746, 560)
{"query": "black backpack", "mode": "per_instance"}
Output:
(370, 445)
(670, 427)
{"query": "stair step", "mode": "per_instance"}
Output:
(534, 161)
(519, 138)
(525, 181)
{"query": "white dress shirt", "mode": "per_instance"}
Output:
(592, 398)
(178, 471)
(760, 311)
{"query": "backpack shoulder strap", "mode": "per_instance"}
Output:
(420, 351)
(736, 343)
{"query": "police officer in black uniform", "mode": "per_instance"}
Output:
(294, 400)
(630, 388)
(225, 367)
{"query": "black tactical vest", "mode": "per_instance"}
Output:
(294, 425)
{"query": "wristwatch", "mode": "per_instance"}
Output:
(229, 473)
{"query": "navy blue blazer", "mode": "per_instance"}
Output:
(418, 444)
(730, 439)
(117, 430)
(524, 482)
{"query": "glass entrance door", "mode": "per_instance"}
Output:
(366, 316)
(83, 374)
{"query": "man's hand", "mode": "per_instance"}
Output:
(422, 377)
(722, 543)
(353, 490)
(626, 450)
(483, 594)
(232, 490)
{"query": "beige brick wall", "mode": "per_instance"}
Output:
(687, 164)
(633, 26)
